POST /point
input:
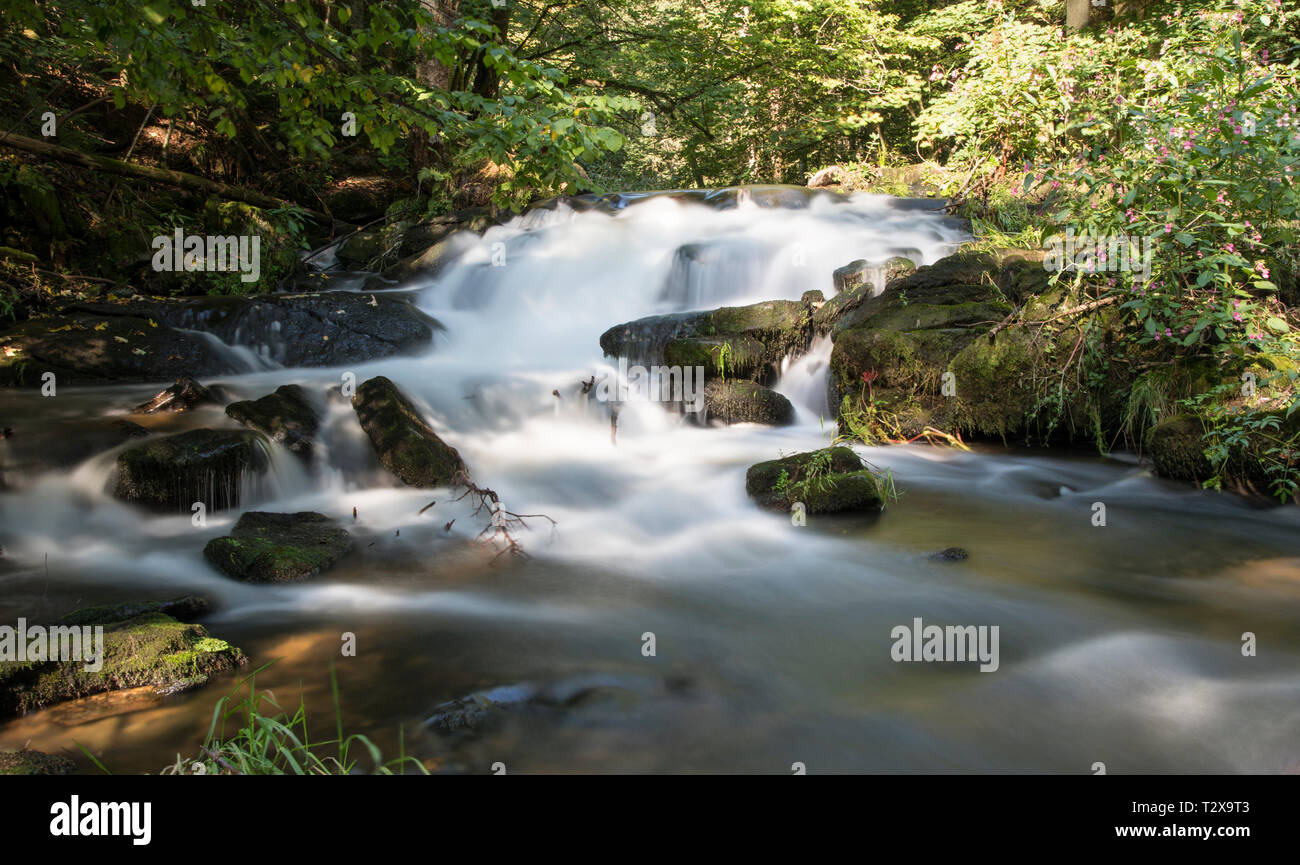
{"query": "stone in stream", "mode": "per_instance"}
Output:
(404, 442)
(287, 416)
(950, 554)
(476, 712)
(745, 402)
(150, 650)
(738, 341)
(29, 762)
(186, 394)
(278, 548)
(171, 473)
(825, 481)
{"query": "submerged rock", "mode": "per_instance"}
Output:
(186, 608)
(746, 402)
(28, 762)
(186, 394)
(404, 442)
(278, 548)
(825, 481)
(950, 554)
(287, 416)
(170, 473)
(476, 712)
(151, 649)
(60, 443)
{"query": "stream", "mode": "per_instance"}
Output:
(1120, 644)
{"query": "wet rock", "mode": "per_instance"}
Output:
(745, 402)
(327, 328)
(186, 608)
(288, 416)
(88, 347)
(151, 649)
(826, 481)
(170, 473)
(759, 336)
(950, 554)
(405, 444)
(28, 762)
(830, 176)
(182, 396)
(362, 248)
(476, 712)
(278, 548)
(852, 275)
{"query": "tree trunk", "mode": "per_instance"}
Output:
(1077, 13)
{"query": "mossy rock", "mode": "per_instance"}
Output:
(149, 650)
(733, 357)
(763, 334)
(170, 473)
(825, 481)
(28, 762)
(994, 382)
(1178, 449)
(738, 401)
(186, 608)
(404, 443)
(278, 548)
(363, 248)
(288, 416)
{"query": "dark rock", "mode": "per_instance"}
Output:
(278, 548)
(740, 401)
(405, 444)
(86, 347)
(172, 472)
(951, 554)
(287, 416)
(182, 396)
(327, 328)
(1178, 449)
(825, 481)
(480, 710)
(60, 443)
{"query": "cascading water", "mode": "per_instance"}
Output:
(772, 641)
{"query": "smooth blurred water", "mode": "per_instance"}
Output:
(1119, 644)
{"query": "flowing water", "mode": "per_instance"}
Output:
(1119, 644)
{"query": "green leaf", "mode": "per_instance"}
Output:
(1276, 324)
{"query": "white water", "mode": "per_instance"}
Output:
(1119, 644)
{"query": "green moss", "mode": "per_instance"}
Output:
(151, 649)
(832, 479)
(27, 762)
(994, 382)
(403, 441)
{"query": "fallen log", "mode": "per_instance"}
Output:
(155, 175)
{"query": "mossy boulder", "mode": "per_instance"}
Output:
(170, 473)
(28, 762)
(186, 608)
(995, 382)
(735, 357)
(149, 650)
(363, 248)
(760, 335)
(739, 401)
(288, 416)
(278, 548)
(826, 481)
(404, 442)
